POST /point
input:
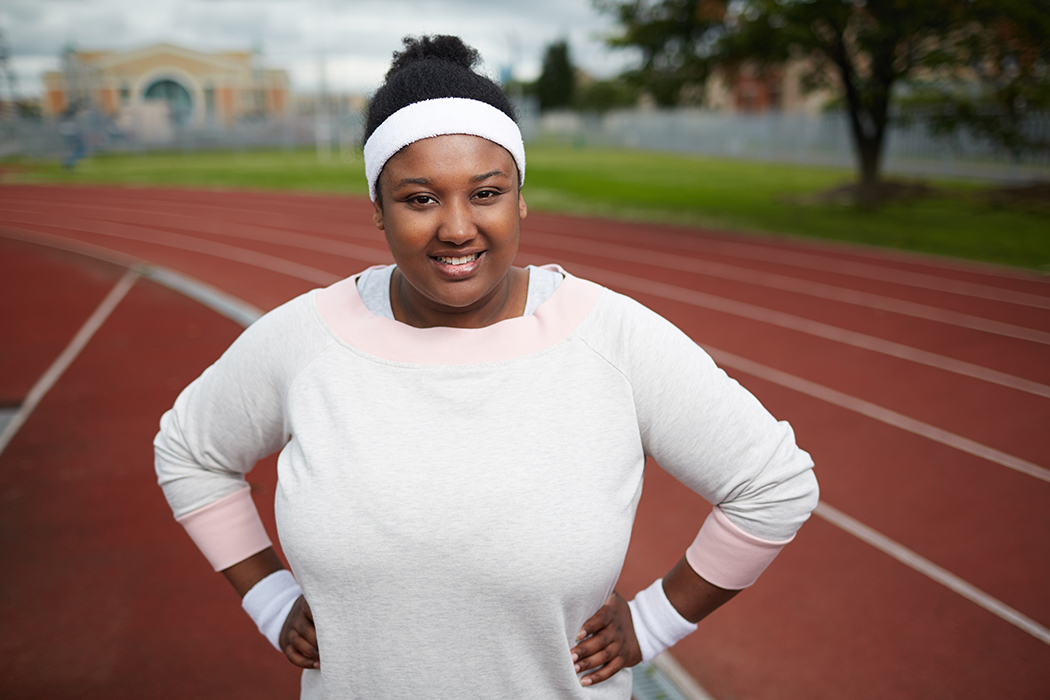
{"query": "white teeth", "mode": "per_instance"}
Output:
(457, 261)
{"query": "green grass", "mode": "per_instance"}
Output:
(275, 170)
(636, 185)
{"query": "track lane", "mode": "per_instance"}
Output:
(821, 254)
(377, 254)
(1024, 322)
(31, 341)
(108, 597)
(835, 482)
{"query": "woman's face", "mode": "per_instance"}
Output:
(451, 211)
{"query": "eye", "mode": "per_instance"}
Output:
(487, 194)
(421, 200)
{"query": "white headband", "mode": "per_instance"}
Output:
(446, 115)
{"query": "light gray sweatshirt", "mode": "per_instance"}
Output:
(455, 503)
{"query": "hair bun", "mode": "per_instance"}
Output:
(440, 47)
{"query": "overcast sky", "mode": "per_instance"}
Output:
(355, 37)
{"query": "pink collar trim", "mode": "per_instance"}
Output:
(341, 308)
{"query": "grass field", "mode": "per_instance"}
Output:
(960, 220)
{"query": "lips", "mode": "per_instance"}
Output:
(462, 260)
(458, 267)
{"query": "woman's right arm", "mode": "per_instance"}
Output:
(220, 426)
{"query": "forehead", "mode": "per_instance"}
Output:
(450, 154)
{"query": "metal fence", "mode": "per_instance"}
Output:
(911, 147)
(822, 140)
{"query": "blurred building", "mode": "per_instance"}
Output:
(750, 89)
(166, 86)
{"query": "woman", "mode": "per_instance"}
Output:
(462, 441)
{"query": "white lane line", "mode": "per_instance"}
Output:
(229, 306)
(6, 414)
(789, 284)
(684, 683)
(196, 245)
(64, 360)
(931, 570)
(805, 325)
(884, 415)
(782, 256)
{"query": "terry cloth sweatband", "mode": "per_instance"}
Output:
(657, 624)
(438, 117)
(269, 601)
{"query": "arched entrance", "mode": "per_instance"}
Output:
(180, 104)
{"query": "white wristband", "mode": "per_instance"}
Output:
(269, 601)
(656, 623)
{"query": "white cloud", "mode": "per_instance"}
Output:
(355, 37)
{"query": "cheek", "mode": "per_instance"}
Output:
(405, 234)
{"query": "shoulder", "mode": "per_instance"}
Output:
(627, 332)
(283, 339)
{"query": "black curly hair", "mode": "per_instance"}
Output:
(431, 67)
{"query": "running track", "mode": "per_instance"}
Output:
(920, 386)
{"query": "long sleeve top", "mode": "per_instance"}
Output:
(455, 503)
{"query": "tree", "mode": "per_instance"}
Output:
(1008, 47)
(862, 49)
(556, 85)
(600, 96)
(676, 39)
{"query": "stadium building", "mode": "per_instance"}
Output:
(184, 87)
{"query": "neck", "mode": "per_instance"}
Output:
(507, 300)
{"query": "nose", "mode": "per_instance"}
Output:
(457, 223)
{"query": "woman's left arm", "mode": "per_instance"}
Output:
(715, 437)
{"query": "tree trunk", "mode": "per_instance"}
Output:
(869, 154)
(868, 104)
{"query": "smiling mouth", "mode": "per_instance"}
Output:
(448, 260)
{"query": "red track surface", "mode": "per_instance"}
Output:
(103, 595)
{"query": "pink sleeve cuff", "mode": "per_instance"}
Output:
(728, 557)
(227, 531)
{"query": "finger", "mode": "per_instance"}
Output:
(306, 629)
(600, 657)
(303, 645)
(300, 652)
(593, 644)
(597, 621)
(307, 611)
(606, 672)
(299, 660)
(292, 621)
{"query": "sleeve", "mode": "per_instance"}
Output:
(715, 437)
(224, 422)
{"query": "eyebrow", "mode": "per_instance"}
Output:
(486, 176)
(413, 181)
(428, 181)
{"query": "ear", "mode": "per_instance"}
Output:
(523, 210)
(377, 215)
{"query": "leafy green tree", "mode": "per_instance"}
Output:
(602, 95)
(861, 49)
(676, 39)
(1007, 78)
(556, 85)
